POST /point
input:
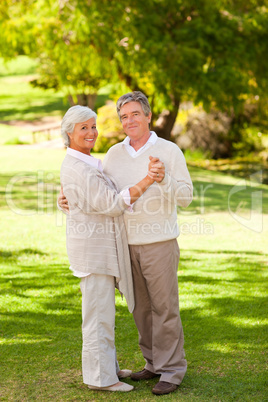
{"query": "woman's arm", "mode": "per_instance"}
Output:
(95, 199)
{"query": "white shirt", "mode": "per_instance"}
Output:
(132, 152)
(97, 164)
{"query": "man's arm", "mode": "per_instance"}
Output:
(177, 183)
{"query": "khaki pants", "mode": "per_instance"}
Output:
(156, 312)
(99, 363)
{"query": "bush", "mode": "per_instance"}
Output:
(16, 141)
(219, 135)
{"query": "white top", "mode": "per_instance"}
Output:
(97, 164)
(89, 159)
(132, 152)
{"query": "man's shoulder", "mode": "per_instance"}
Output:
(166, 144)
(115, 148)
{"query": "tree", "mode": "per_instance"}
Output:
(209, 52)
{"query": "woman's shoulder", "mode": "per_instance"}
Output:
(75, 167)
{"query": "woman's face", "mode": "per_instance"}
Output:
(84, 136)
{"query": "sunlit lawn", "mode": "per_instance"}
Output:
(222, 280)
(20, 100)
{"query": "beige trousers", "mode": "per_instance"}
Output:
(156, 312)
(99, 363)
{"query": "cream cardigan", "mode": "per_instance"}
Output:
(95, 233)
(154, 217)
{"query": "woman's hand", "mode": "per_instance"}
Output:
(62, 201)
(156, 169)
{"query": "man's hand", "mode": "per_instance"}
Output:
(62, 201)
(156, 169)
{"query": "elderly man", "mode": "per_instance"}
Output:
(152, 231)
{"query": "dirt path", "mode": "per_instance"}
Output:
(41, 124)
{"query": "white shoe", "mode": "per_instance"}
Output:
(123, 387)
(124, 373)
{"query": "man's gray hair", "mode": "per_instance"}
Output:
(135, 96)
(76, 114)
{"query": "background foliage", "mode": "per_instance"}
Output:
(213, 53)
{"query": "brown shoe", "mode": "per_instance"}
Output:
(163, 387)
(143, 375)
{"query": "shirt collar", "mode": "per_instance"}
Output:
(88, 159)
(151, 140)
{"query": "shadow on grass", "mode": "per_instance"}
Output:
(48, 103)
(41, 328)
(218, 197)
(236, 167)
(224, 267)
(24, 192)
(251, 253)
(11, 256)
(223, 353)
(25, 109)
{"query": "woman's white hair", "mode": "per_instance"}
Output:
(76, 114)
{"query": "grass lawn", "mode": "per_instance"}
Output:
(20, 100)
(221, 276)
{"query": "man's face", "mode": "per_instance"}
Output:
(134, 121)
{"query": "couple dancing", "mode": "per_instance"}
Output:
(121, 231)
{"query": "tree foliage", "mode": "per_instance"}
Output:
(209, 52)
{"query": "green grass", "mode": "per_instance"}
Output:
(22, 65)
(19, 100)
(221, 276)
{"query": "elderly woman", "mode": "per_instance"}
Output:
(97, 246)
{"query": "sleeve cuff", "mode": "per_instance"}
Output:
(126, 196)
(165, 183)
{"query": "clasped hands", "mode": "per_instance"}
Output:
(156, 169)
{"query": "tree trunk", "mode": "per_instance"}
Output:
(165, 122)
(83, 100)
